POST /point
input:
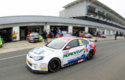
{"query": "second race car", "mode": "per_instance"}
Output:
(34, 37)
(60, 53)
(87, 35)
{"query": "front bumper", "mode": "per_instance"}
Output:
(31, 40)
(36, 66)
(35, 71)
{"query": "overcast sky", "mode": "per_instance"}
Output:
(47, 7)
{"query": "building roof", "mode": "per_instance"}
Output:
(95, 2)
(37, 19)
(72, 3)
(10, 20)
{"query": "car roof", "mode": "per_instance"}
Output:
(69, 38)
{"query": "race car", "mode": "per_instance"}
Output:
(99, 35)
(87, 35)
(34, 37)
(102, 35)
(1, 42)
(60, 53)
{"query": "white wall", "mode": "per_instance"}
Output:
(47, 28)
(86, 29)
(107, 32)
(75, 10)
(70, 29)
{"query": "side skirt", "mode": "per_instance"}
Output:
(75, 62)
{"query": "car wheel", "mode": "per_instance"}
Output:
(54, 65)
(29, 41)
(91, 54)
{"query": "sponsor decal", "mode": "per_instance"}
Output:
(76, 59)
(81, 60)
(43, 67)
(72, 53)
(87, 50)
(38, 51)
(65, 52)
(35, 67)
(53, 50)
(83, 49)
(80, 42)
(66, 39)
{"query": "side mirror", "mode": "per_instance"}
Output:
(68, 47)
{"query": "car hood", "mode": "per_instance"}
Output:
(42, 51)
(35, 36)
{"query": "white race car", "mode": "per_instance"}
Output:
(60, 53)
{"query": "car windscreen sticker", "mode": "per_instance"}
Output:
(80, 42)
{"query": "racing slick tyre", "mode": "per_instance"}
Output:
(29, 41)
(91, 54)
(54, 65)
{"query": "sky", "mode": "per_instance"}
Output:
(48, 7)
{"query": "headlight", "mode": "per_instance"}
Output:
(37, 58)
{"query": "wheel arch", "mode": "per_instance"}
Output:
(92, 50)
(57, 59)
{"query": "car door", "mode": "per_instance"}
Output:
(86, 47)
(70, 55)
(82, 47)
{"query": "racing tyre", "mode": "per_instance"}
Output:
(54, 65)
(91, 54)
(29, 41)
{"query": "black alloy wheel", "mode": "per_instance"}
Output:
(91, 54)
(54, 65)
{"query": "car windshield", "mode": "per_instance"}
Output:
(56, 44)
(34, 34)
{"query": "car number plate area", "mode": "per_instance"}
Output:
(37, 39)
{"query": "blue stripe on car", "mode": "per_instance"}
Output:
(73, 60)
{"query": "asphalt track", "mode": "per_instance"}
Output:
(108, 64)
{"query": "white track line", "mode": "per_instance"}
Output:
(12, 57)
